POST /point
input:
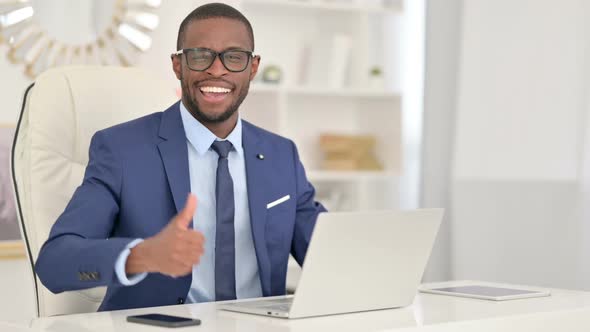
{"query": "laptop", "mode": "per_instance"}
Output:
(357, 261)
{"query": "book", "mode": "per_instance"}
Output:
(333, 142)
(339, 64)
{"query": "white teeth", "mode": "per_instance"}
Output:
(214, 89)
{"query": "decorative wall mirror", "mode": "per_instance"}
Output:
(47, 33)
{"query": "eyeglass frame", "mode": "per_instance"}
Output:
(250, 54)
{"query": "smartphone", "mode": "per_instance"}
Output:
(163, 320)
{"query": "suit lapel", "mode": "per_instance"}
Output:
(174, 153)
(257, 181)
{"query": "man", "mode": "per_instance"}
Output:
(130, 226)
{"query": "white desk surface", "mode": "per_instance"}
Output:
(11, 327)
(564, 310)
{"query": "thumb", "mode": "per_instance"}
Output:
(184, 217)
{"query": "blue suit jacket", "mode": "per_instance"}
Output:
(137, 179)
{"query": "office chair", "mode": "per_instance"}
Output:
(61, 111)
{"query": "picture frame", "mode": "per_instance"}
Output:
(11, 244)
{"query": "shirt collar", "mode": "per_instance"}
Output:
(201, 138)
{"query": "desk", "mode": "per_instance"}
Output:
(563, 310)
(10, 327)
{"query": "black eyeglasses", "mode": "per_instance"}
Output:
(200, 59)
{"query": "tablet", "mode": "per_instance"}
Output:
(487, 292)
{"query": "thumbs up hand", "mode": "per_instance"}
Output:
(174, 250)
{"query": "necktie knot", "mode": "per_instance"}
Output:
(222, 148)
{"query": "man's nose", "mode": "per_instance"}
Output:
(217, 68)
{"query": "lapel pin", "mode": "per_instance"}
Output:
(260, 156)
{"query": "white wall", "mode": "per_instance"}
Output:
(519, 149)
(522, 94)
(443, 27)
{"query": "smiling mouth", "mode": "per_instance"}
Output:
(214, 89)
(214, 94)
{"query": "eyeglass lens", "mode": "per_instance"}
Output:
(232, 60)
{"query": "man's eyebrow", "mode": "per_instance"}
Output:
(236, 48)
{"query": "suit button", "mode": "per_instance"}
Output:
(180, 300)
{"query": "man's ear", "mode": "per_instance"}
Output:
(254, 69)
(177, 65)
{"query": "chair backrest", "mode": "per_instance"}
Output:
(61, 111)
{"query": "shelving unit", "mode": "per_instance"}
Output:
(329, 92)
(326, 50)
(349, 176)
(350, 6)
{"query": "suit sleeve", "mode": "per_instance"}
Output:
(79, 253)
(307, 211)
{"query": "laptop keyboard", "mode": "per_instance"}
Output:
(276, 305)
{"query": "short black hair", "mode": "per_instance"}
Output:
(213, 10)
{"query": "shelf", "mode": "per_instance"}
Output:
(345, 92)
(351, 176)
(328, 92)
(342, 6)
(265, 88)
